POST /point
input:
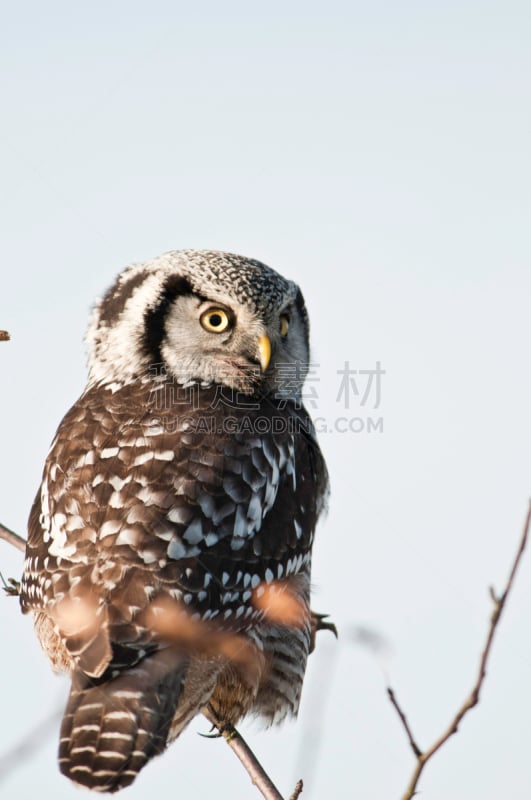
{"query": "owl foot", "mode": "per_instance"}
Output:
(319, 624)
(212, 735)
(11, 587)
(223, 729)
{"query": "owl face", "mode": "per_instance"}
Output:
(204, 316)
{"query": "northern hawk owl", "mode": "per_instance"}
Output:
(169, 550)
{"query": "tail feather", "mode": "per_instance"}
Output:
(112, 728)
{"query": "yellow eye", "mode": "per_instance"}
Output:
(284, 325)
(215, 320)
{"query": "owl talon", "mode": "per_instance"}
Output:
(319, 624)
(11, 587)
(224, 729)
(216, 735)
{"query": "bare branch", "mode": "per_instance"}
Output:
(256, 772)
(414, 746)
(472, 698)
(12, 538)
(297, 790)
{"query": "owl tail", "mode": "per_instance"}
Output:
(112, 728)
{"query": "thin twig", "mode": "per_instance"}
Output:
(414, 746)
(13, 538)
(297, 790)
(472, 699)
(256, 772)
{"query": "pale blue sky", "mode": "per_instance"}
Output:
(379, 154)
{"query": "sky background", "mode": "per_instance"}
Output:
(379, 155)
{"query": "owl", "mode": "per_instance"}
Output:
(169, 546)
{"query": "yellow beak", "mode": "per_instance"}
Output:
(264, 351)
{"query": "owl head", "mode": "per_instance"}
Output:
(201, 316)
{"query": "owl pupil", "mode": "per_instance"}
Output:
(215, 320)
